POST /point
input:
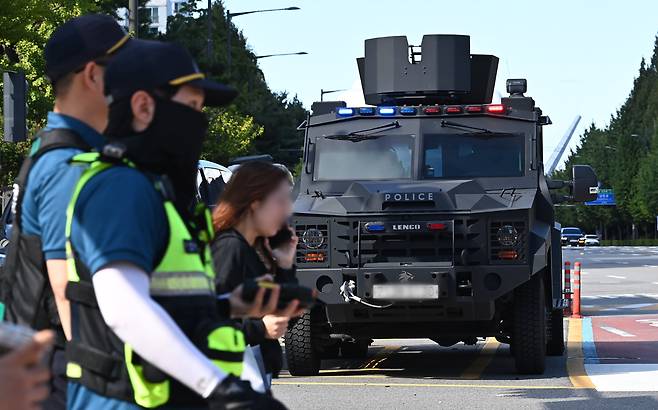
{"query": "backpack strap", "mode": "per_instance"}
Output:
(44, 142)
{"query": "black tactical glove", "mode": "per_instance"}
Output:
(235, 394)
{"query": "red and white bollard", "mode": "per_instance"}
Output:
(575, 313)
(567, 287)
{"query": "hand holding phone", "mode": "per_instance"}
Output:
(288, 293)
(283, 247)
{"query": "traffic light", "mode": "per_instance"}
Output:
(15, 106)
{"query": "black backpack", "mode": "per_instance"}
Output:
(24, 286)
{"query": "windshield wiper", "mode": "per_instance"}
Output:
(452, 124)
(365, 134)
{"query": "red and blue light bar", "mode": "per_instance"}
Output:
(390, 111)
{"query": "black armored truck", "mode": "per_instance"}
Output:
(426, 212)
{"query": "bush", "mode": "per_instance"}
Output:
(11, 158)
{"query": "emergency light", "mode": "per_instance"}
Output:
(409, 111)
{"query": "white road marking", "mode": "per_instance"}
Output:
(616, 277)
(623, 377)
(636, 306)
(616, 331)
(650, 322)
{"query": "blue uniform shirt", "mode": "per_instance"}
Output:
(50, 184)
(119, 217)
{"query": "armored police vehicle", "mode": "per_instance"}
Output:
(427, 213)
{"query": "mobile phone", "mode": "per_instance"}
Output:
(13, 336)
(289, 292)
(282, 237)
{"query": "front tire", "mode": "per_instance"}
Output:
(529, 327)
(303, 358)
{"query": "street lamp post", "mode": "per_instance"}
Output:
(229, 33)
(133, 17)
(209, 42)
(299, 53)
(323, 92)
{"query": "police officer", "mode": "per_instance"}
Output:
(145, 327)
(34, 278)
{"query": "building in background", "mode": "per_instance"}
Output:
(157, 11)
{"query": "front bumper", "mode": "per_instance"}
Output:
(465, 293)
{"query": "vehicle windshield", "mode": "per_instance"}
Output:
(380, 158)
(469, 155)
(572, 231)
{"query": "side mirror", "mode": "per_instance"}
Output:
(585, 184)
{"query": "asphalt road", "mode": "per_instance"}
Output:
(611, 351)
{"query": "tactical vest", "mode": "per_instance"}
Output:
(24, 286)
(182, 283)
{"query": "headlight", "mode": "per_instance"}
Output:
(312, 238)
(507, 235)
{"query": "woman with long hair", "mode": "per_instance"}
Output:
(255, 205)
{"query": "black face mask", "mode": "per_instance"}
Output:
(170, 146)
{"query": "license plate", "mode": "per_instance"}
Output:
(405, 292)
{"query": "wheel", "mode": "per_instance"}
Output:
(529, 327)
(303, 358)
(355, 350)
(555, 342)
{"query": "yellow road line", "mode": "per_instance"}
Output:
(575, 356)
(485, 356)
(382, 355)
(443, 385)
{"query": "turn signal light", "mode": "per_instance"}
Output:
(473, 108)
(314, 257)
(432, 110)
(432, 226)
(453, 109)
(508, 255)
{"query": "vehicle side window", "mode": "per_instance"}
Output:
(212, 173)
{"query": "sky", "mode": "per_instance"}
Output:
(579, 57)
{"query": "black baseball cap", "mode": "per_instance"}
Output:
(147, 65)
(81, 40)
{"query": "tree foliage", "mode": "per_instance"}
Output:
(25, 26)
(12, 155)
(230, 134)
(277, 113)
(259, 121)
(625, 157)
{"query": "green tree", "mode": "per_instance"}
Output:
(25, 26)
(277, 113)
(12, 155)
(230, 134)
(625, 156)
